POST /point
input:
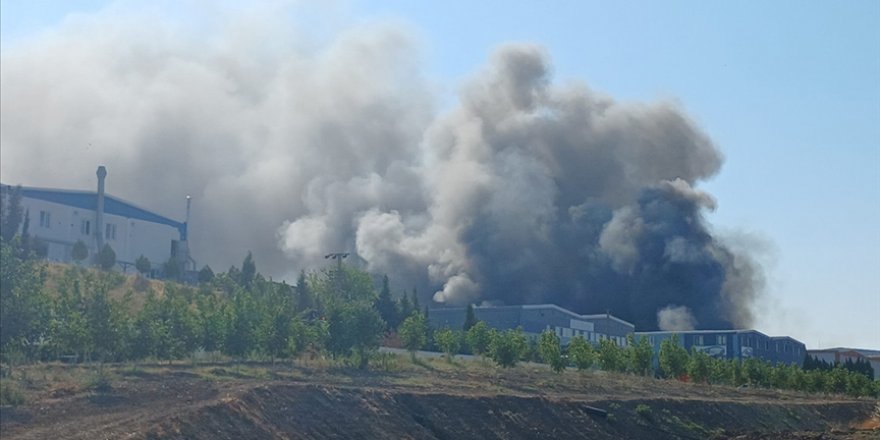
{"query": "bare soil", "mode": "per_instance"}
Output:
(429, 400)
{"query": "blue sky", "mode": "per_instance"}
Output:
(789, 91)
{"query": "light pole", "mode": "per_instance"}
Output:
(338, 256)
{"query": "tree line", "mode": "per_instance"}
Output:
(637, 357)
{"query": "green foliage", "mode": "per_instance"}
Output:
(142, 265)
(173, 268)
(550, 350)
(24, 306)
(79, 252)
(699, 366)
(106, 257)
(508, 347)
(386, 307)
(469, 318)
(756, 372)
(639, 355)
(341, 284)
(643, 410)
(478, 338)
(673, 358)
(304, 299)
(414, 332)
(449, 341)
(248, 270)
(611, 357)
(206, 275)
(10, 212)
(355, 329)
(581, 353)
(404, 306)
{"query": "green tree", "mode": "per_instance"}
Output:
(355, 329)
(248, 270)
(10, 212)
(640, 355)
(206, 275)
(478, 338)
(304, 298)
(507, 347)
(142, 265)
(79, 252)
(699, 366)
(415, 300)
(469, 318)
(673, 358)
(581, 353)
(385, 305)
(24, 307)
(449, 341)
(550, 351)
(404, 306)
(414, 333)
(308, 335)
(173, 269)
(611, 357)
(106, 257)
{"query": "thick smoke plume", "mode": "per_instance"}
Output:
(526, 191)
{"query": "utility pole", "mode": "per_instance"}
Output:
(338, 256)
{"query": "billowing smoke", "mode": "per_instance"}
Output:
(676, 318)
(526, 191)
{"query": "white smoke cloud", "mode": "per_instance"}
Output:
(676, 319)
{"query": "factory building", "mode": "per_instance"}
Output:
(535, 319)
(735, 344)
(840, 355)
(61, 217)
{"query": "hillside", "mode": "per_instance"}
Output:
(430, 399)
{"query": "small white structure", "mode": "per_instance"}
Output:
(62, 217)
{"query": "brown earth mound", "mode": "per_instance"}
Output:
(436, 400)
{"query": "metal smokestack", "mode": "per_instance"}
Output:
(99, 216)
(186, 222)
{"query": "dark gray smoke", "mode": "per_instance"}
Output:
(526, 191)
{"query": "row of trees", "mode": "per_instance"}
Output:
(506, 348)
(336, 311)
(234, 314)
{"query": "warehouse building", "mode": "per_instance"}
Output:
(735, 344)
(61, 217)
(840, 355)
(535, 319)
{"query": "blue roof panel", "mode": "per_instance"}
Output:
(112, 205)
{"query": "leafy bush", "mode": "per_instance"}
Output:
(507, 347)
(581, 353)
(550, 350)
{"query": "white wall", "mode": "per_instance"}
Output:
(133, 237)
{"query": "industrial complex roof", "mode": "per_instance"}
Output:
(89, 200)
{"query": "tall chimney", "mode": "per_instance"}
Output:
(99, 220)
(186, 223)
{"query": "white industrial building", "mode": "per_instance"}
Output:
(61, 217)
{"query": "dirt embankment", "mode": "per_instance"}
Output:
(316, 412)
(434, 400)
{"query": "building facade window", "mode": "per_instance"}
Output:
(85, 227)
(45, 219)
(722, 340)
(698, 340)
(110, 232)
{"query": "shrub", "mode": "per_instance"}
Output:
(581, 353)
(507, 347)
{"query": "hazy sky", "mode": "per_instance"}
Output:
(789, 91)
